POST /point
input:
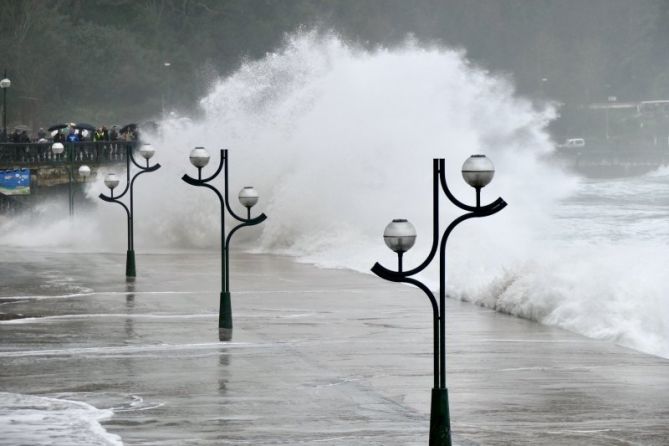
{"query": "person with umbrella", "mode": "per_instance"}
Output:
(130, 132)
(73, 136)
(98, 135)
(57, 132)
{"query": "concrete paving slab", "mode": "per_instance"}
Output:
(327, 357)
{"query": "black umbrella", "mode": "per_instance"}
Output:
(57, 127)
(84, 126)
(22, 128)
(127, 127)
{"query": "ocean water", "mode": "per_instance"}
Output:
(339, 140)
(38, 420)
(600, 270)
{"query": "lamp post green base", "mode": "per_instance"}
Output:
(130, 264)
(225, 312)
(440, 419)
(224, 334)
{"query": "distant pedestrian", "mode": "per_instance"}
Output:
(73, 136)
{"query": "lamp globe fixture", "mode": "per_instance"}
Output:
(248, 197)
(5, 83)
(84, 171)
(400, 235)
(57, 148)
(111, 181)
(147, 151)
(199, 157)
(478, 171)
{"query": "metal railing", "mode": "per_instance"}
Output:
(13, 155)
(9, 205)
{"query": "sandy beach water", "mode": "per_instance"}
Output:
(327, 357)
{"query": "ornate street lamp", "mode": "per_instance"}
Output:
(5, 83)
(58, 148)
(112, 181)
(478, 171)
(248, 197)
(400, 236)
(84, 171)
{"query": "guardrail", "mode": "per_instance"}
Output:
(13, 155)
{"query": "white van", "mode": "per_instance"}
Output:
(573, 143)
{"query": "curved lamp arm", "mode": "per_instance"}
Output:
(203, 183)
(234, 215)
(252, 222)
(396, 277)
(224, 156)
(108, 199)
(144, 168)
(455, 201)
(128, 185)
(488, 211)
(435, 222)
(224, 153)
(483, 211)
(125, 191)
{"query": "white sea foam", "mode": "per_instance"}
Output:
(661, 171)
(36, 420)
(339, 140)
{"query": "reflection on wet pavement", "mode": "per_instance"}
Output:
(321, 357)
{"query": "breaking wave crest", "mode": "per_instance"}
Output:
(339, 140)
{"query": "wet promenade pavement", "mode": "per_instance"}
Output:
(318, 357)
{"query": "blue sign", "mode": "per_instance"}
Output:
(15, 182)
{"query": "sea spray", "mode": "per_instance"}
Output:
(339, 140)
(38, 420)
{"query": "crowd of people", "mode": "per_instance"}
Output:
(72, 133)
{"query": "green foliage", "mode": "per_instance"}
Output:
(103, 61)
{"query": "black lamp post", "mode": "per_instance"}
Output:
(5, 83)
(112, 180)
(84, 171)
(248, 197)
(400, 236)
